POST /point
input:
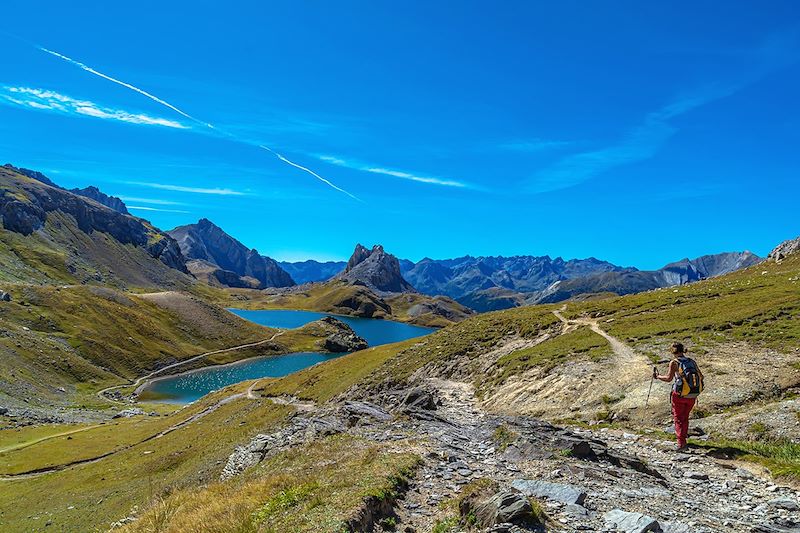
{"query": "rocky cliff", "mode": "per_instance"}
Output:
(785, 249)
(83, 233)
(207, 242)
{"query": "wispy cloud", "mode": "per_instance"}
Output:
(534, 145)
(158, 209)
(44, 100)
(181, 188)
(640, 143)
(210, 126)
(644, 140)
(357, 165)
(154, 201)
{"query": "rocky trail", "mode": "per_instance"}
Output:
(587, 480)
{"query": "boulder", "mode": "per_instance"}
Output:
(559, 492)
(619, 520)
(692, 474)
(3, 411)
(487, 505)
(508, 506)
(5, 297)
(360, 410)
(420, 398)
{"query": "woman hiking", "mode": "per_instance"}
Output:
(687, 383)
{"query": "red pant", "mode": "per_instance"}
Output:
(681, 407)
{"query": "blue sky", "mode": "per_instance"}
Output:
(634, 132)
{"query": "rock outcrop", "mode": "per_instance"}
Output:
(112, 202)
(784, 249)
(375, 269)
(207, 242)
(342, 338)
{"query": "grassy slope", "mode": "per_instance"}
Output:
(106, 490)
(300, 490)
(759, 305)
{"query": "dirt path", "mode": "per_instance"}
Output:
(579, 385)
(141, 382)
(72, 464)
(23, 445)
(624, 353)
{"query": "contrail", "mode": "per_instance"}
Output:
(89, 69)
(304, 169)
(156, 99)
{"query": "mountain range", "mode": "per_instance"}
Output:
(208, 253)
(492, 283)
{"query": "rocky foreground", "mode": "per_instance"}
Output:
(585, 479)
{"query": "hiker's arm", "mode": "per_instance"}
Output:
(673, 367)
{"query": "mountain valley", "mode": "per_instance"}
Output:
(538, 415)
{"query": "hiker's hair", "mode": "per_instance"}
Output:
(677, 348)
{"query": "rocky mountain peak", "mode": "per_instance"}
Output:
(207, 242)
(112, 202)
(360, 254)
(376, 269)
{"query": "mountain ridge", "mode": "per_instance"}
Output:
(54, 235)
(208, 246)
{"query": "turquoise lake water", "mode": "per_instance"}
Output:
(186, 388)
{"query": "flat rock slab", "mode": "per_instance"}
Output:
(550, 491)
(785, 503)
(630, 522)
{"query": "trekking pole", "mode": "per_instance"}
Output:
(655, 369)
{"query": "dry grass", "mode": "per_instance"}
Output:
(310, 489)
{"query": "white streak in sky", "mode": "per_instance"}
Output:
(357, 165)
(44, 100)
(124, 84)
(142, 208)
(304, 169)
(181, 188)
(187, 115)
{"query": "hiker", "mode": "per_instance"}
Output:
(687, 383)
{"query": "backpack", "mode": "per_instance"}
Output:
(689, 380)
